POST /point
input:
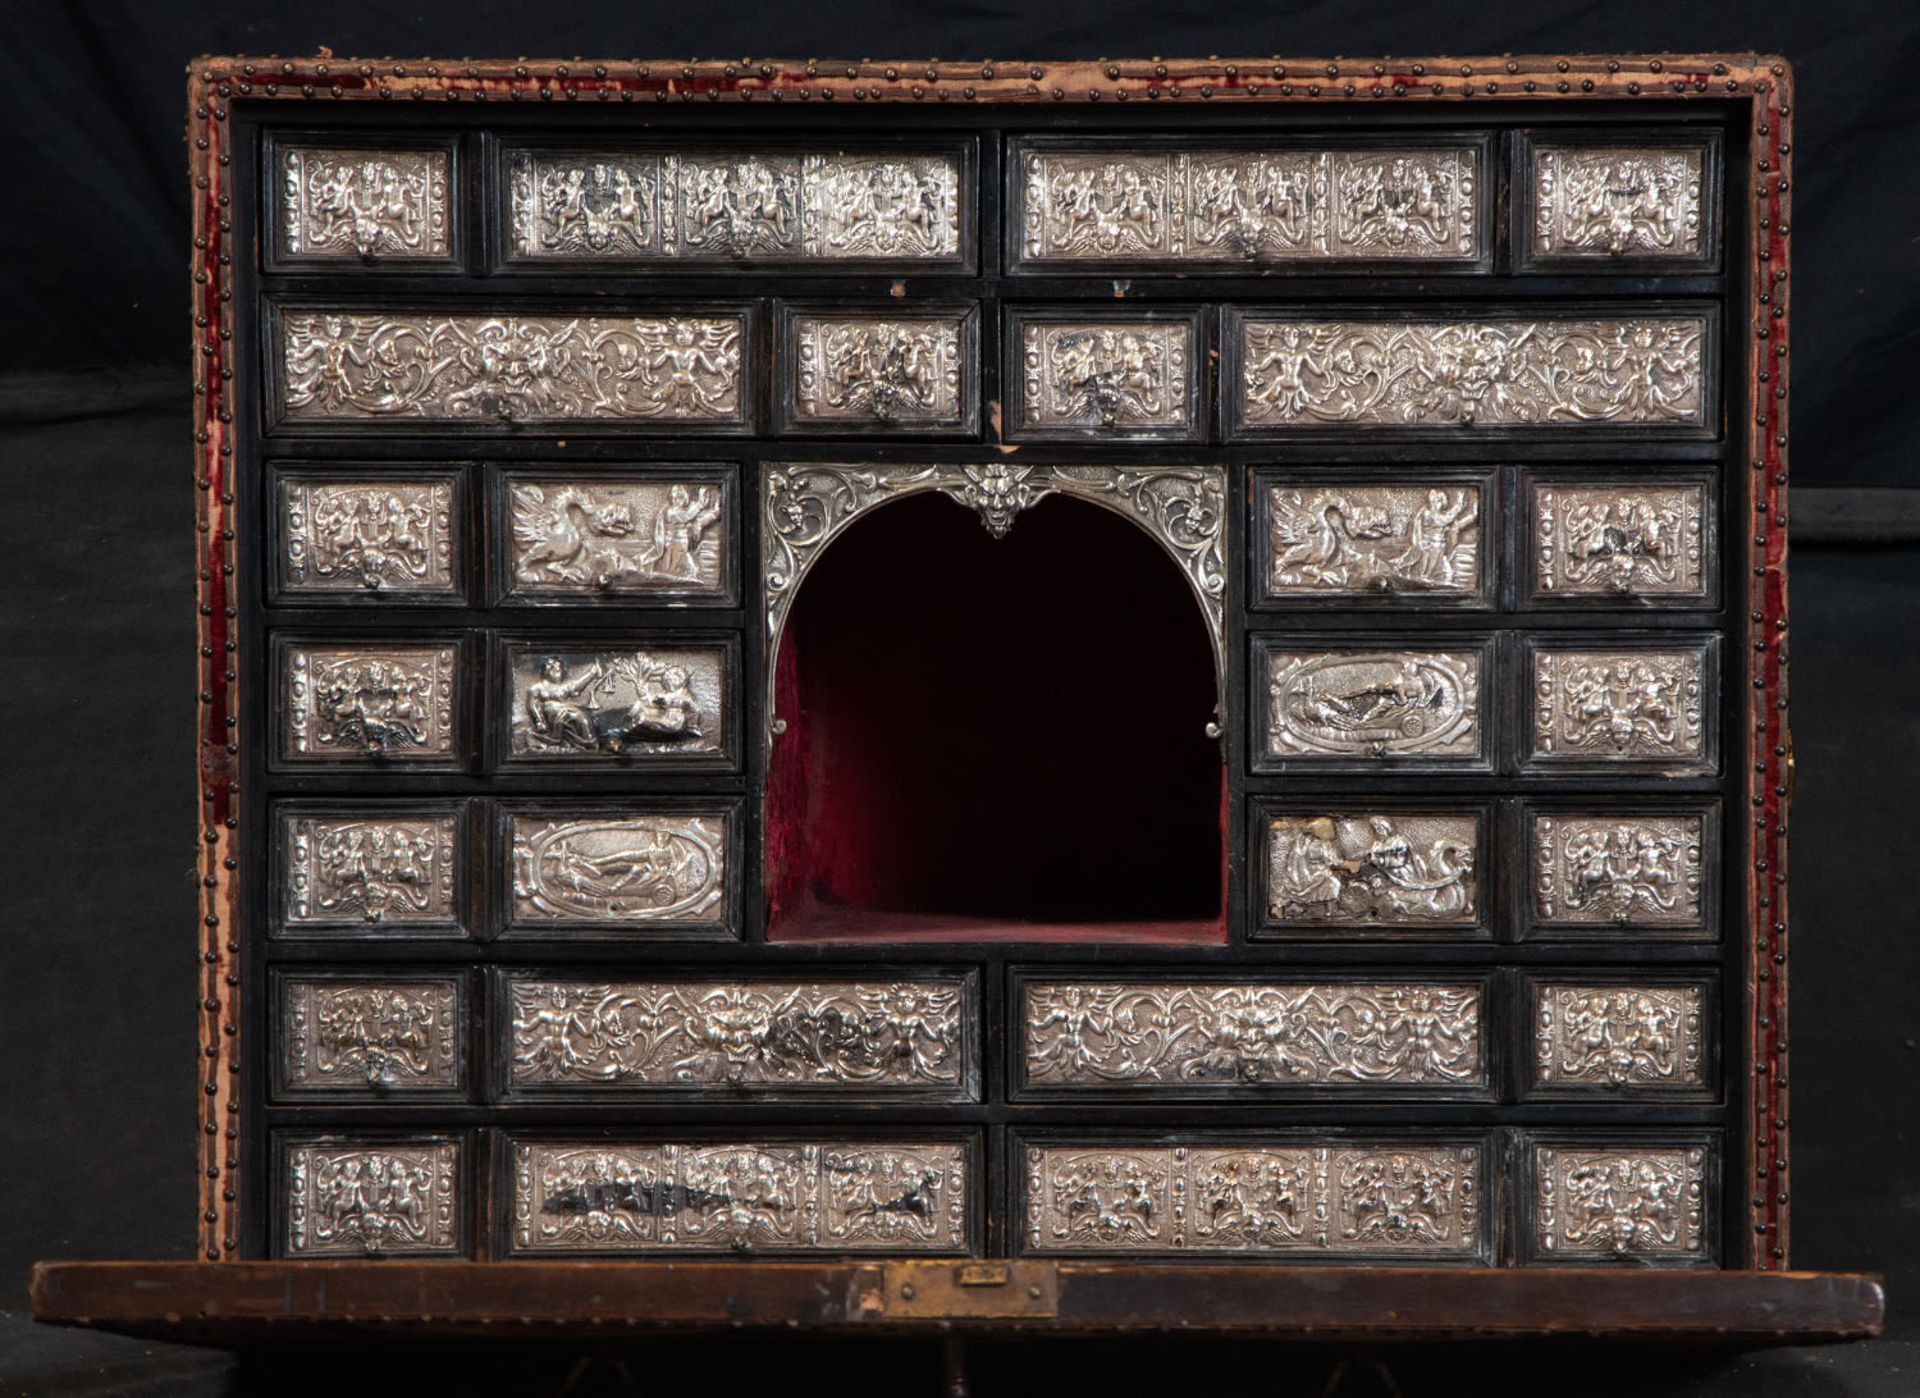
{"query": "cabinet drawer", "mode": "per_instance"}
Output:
(372, 1195)
(354, 1035)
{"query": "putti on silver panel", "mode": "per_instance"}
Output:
(1106, 205)
(1610, 201)
(584, 537)
(1640, 869)
(1087, 376)
(1618, 1037)
(388, 536)
(371, 870)
(1621, 704)
(1637, 1203)
(367, 702)
(1603, 542)
(371, 1196)
(746, 207)
(369, 1036)
(363, 204)
(620, 871)
(740, 1197)
(643, 701)
(1386, 1199)
(893, 372)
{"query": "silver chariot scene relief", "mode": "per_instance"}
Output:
(620, 870)
(833, 1036)
(1599, 1203)
(1360, 539)
(348, 366)
(1379, 704)
(1248, 207)
(905, 370)
(827, 206)
(1373, 869)
(1132, 376)
(368, 871)
(1619, 541)
(395, 1198)
(362, 537)
(1608, 201)
(854, 1196)
(1306, 373)
(1397, 1034)
(370, 1036)
(378, 703)
(1619, 705)
(367, 204)
(1618, 1036)
(650, 702)
(579, 537)
(1621, 870)
(1372, 1201)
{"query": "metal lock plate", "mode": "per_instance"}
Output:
(961, 1290)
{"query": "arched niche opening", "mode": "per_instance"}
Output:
(995, 738)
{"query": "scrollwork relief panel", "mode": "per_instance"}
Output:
(370, 1037)
(903, 373)
(684, 371)
(1639, 371)
(363, 204)
(371, 872)
(391, 537)
(1619, 1037)
(398, 1198)
(895, 1036)
(1621, 705)
(367, 703)
(1400, 1035)
(1643, 869)
(1608, 202)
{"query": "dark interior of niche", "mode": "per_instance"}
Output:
(995, 739)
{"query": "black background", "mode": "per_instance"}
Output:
(96, 650)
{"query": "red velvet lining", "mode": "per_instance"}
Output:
(995, 739)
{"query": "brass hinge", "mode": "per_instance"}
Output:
(921, 1290)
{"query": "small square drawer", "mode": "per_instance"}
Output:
(372, 1194)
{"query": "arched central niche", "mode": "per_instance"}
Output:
(998, 733)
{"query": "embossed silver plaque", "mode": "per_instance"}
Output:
(1108, 206)
(1382, 704)
(649, 701)
(365, 538)
(1347, 540)
(1620, 705)
(1394, 869)
(1614, 1036)
(1630, 1202)
(1385, 1200)
(369, 871)
(907, 372)
(1107, 377)
(733, 1197)
(1295, 373)
(372, 1198)
(826, 206)
(369, 1036)
(363, 204)
(1168, 1035)
(1619, 541)
(629, 872)
(1644, 869)
(581, 536)
(897, 1036)
(367, 703)
(1615, 201)
(685, 371)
